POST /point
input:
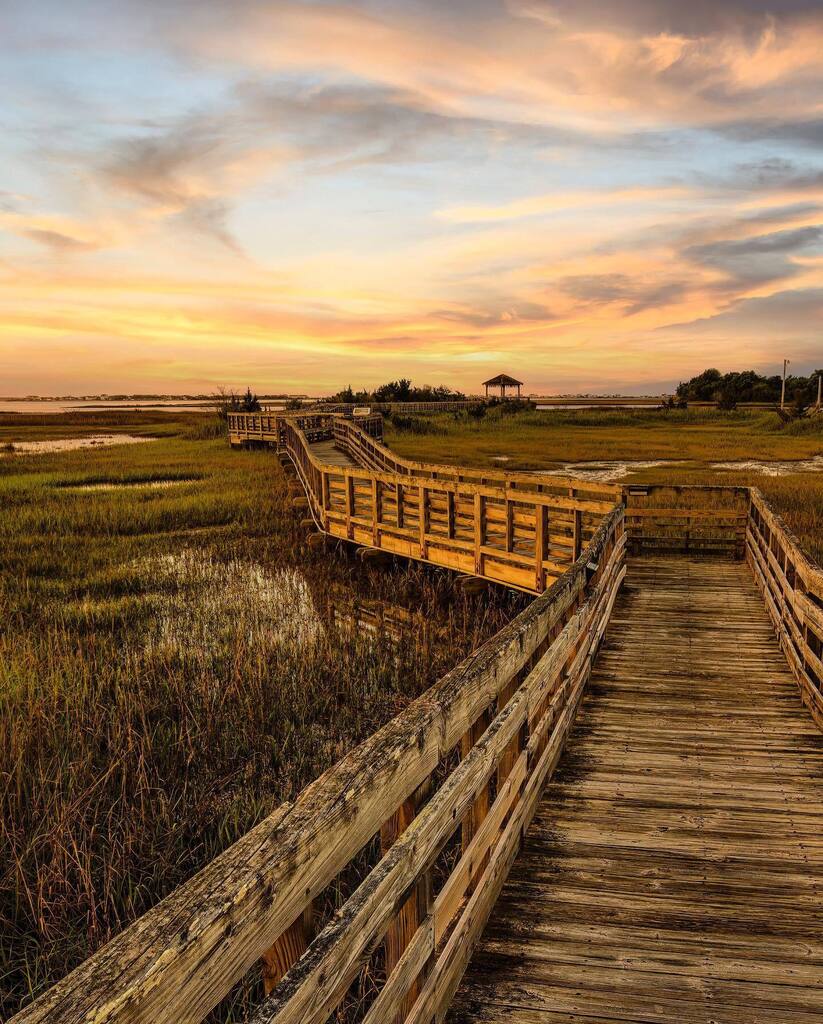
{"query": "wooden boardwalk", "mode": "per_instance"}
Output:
(674, 868)
(657, 858)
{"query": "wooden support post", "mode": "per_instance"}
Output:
(400, 517)
(577, 534)
(287, 950)
(422, 518)
(326, 499)
(480, 808)
(450, 514)
(479, 533)
(514, 749)
(376, 501)
(349, 506)
(509, 526)
(541, 533)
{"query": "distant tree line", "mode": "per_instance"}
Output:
(399, 391)
(226, 401)
(728, 389)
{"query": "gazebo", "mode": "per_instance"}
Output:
(502, 381)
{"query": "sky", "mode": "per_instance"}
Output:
(604, 197)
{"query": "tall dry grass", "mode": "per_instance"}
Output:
(170, 671)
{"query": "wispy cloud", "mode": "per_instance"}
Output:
(543, 205)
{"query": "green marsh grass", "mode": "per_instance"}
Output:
(544, 439)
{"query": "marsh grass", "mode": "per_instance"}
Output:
(545, 439)
(170, 672)
(152, 423)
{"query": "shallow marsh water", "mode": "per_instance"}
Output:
(69, 444)
(610, 471)
(786, 468)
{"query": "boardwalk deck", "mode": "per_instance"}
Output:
(329, 453)
(674, 869)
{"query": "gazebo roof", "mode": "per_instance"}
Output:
(501, 378)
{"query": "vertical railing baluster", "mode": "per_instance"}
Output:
(423, 519)
(480, 808)
(376, 497)
(541, 531)
(349, 505)
(479, 533)
(287, 950)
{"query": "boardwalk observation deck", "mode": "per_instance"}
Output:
(611, 811)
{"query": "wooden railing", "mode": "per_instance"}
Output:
(506, 527)
(267, 428)
(792, 587)
(437, 802)
(405, 408)
(667, 518)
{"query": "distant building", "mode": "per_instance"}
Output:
(502, 381)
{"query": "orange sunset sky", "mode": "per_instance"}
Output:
(301, 195)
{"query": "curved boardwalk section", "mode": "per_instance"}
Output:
(521, 529)
(674, 869)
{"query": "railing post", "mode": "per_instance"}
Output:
(287, 950)
(541, 531)
(349, 505)
(400, 517)
(480, 808)
(577, 535)
(509, 526)
(513, 750)
(450, 514)
(326, 499)
(376, 502)
(479, 533)
(423, 519)
(402, 929)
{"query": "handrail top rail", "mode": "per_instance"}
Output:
(805, 565)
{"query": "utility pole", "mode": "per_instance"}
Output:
(783, 389)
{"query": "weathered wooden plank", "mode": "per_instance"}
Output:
(649, 866)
